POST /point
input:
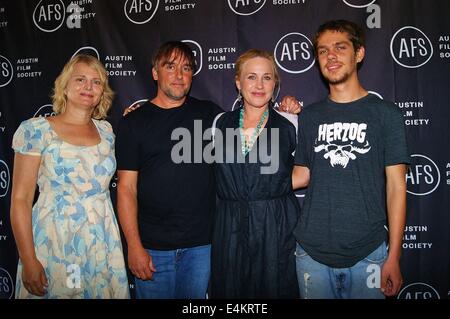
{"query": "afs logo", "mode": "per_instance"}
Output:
(88, 51)
(140, 11)
(411, 48)
(376, 94)
(294, 53)
(359, 3)
(6, 284)
(6, 71)
(236, 104)
(246, 7)
(300, 193)
(423, 175)
(45, 111)
(4, 178)
(49, 15)
(418, 290)
(198, 54)
(138, 103)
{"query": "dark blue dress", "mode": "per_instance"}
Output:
(253, 245)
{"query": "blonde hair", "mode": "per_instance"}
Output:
(255, 53)
(59, 98)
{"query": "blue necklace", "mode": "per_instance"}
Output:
(247, 146)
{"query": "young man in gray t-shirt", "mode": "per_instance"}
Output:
(352, 153)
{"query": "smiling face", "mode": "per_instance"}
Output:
(256, 81)
(84, 88)
(337, 57)
(174, 76)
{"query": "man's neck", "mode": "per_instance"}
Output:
(347, 92)
(167, 103)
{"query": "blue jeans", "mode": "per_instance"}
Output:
(180, 274)
(361, 281)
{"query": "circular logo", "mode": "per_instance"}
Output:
(246, 7)
(293, 53)
(45, 111)
(114, 181)
(423, 176)
(140, 12)
(6, 71)
(418, 290)
(300, 193)
(49, 15)
(411, 48)
(6, 284)
(4, 178)
(138, 103)
(236, 104)
(358, 3)
(376, 94)
(198, 54)
(87, 50)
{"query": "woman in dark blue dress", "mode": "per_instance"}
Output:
(253, 245)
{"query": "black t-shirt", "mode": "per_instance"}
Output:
(347, 147)
(176, 201)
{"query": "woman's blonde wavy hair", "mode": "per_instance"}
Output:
(59, 96)
(256, 53)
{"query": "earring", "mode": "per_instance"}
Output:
(275, 96)
(239, 99)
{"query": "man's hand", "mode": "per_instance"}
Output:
(391, 278)
(140, 263)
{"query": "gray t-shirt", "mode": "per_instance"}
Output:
(347, 146)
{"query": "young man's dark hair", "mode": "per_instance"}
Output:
(355, 33)
(181, 50)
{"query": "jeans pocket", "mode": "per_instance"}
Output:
(378, 256)
(300, 252)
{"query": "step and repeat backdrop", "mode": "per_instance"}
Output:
(407, 61)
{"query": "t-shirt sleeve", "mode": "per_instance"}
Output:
(301, 157)
(127, 145)
(396, 146)
(29, 138)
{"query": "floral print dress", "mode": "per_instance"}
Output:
(75, 231)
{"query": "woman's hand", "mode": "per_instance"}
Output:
(131, 108)
(290, 104)
(34, 278)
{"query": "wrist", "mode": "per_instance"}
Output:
(135, 245)
(28, 260)
(395, 257)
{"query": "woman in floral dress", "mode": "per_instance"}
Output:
(69, 242)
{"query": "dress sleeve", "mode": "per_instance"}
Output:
(29, 138)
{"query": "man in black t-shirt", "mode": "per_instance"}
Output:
(166, 207)
(352, 149)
